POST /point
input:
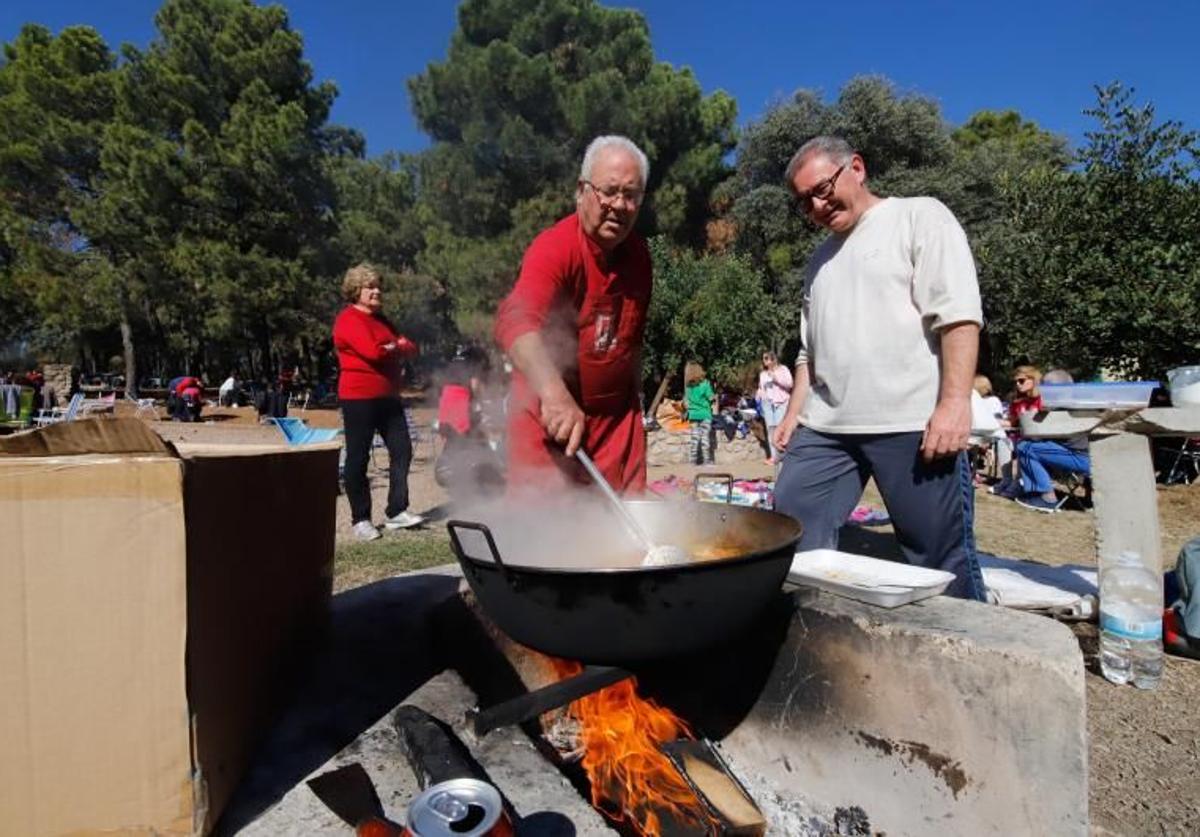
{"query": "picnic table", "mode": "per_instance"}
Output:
(1124, 497)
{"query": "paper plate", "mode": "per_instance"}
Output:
(870, 580)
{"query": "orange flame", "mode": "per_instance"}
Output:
(620, 734)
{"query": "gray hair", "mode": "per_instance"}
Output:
(835, 148)
(1058, 376)
(613, 141)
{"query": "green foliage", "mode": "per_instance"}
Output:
(1099, 268)
(420, 308)
(214, 197)
(902, 137)
(376, 216)
(524, 87)
(909, 150)
(711, 308)
(190, 203)
(56, 94)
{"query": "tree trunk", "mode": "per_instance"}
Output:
(658, 396)
(264, 337)
(131, 381)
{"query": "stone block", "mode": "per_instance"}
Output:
(942, 717)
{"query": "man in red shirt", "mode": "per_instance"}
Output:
(573, 327)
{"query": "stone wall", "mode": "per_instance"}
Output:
(664, 447)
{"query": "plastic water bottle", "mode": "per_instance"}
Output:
(1131, 608)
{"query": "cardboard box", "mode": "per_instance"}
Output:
(149, 599)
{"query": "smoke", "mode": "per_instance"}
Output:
(576, 529)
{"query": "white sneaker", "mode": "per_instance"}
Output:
(365, 530)
(404, 520)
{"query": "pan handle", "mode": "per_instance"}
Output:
(720, 477)
(452, 526)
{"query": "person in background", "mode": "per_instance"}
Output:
(889, 338)
(44, 396)
(1026, 397)
(774, 391)
(467, 466)
(230, 391)
(987, 417)
(370, 355)
(188, 398)
(1038, 457)
(573, 327)
(701, 400)
(987, 410)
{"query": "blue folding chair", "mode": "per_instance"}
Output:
(297, 431)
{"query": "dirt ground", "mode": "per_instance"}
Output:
(1144, 746)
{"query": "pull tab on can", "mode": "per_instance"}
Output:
(459, 808)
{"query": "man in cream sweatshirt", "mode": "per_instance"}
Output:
(889, 336)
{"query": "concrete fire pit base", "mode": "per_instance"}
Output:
(942, 717)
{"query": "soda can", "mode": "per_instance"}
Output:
(459, 808)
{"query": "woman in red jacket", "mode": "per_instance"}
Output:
(370, 361)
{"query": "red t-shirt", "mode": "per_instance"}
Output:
(590, 308)
(186, 384)
(454, 408)
(1022, 405)
(366, 369)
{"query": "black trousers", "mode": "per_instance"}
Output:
(362, 419)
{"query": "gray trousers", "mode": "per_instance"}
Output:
(932, 506)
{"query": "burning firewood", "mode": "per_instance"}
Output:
(726, 801)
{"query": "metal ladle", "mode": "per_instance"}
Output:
(656, 554)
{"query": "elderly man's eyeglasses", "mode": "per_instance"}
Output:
(822, 191)
(610, 194)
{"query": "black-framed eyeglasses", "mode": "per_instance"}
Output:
(609, 194)
(822, 191)
(1021, 380)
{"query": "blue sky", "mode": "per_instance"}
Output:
(1040, 58)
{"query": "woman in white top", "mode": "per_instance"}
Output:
(987, 424)
(774, 390)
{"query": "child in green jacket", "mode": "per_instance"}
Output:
(701, 401)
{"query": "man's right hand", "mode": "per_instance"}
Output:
(783, 433)
(563, 420)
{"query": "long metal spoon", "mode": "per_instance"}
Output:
(656, 554)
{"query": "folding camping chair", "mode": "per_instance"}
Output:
(1185, 467)
(1073, 483)
(144, 407)
(54, 415)
(419, 434)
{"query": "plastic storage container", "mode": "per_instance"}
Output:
(1110, 396)
(1185, 386)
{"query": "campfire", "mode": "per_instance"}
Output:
(620, 738)
(638, 762)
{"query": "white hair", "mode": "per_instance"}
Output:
(613, 141)
(1058, 376)
(835, 148)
